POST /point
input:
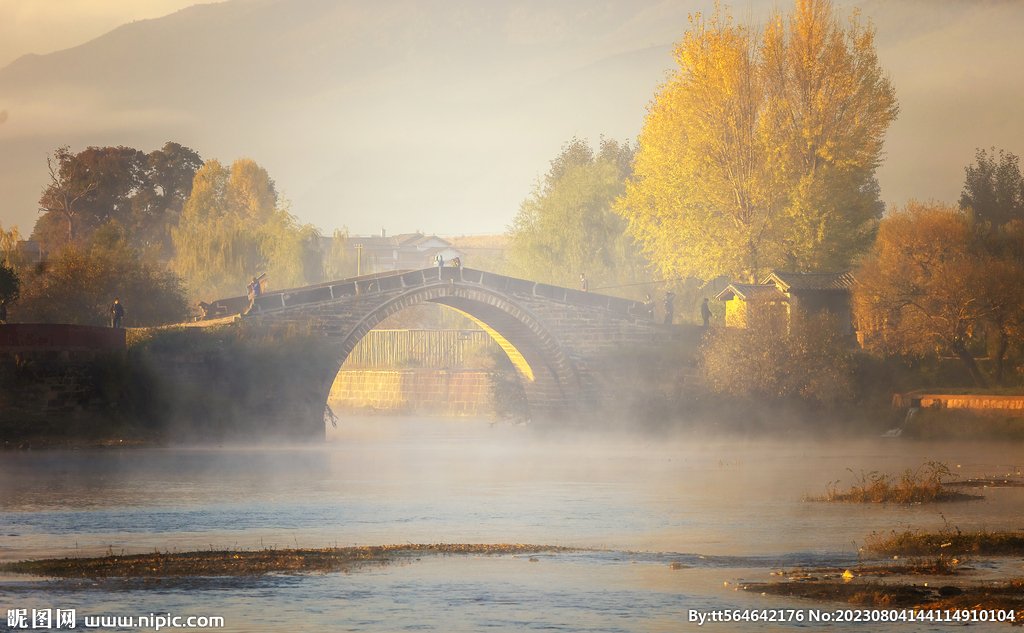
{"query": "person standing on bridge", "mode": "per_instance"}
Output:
(649, 307)
(255, 290)
(705, 312)
(584, 285)
(116, 313)
(670, 307)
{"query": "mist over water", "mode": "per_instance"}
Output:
(730, 509)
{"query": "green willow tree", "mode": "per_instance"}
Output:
(234, 226)
(339, 263)
(759, 152)
(567, 226)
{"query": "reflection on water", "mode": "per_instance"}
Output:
(727, 509)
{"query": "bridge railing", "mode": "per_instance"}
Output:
(400, 280)
(433, 349)
(238, 305)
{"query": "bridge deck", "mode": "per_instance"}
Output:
(392, 281)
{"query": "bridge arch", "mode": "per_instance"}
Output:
(549, 378)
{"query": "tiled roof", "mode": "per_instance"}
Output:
(393, 241)
(406, 239)
(744, 291)
(372, 241)
(810, 281)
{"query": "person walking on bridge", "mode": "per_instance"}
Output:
(255, 290)
(584, 284)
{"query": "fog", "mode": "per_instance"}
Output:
(726, 508)
(384, 479)
(440, 117)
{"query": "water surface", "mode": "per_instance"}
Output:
(729, 509)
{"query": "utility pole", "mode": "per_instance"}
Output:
(359, 260)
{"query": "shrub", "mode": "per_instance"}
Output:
(779, 358)
(81, 283)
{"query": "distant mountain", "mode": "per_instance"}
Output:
(437, 115)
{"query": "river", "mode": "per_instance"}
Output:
(728, 509)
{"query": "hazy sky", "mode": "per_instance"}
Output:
(416, 123)
(45, 26)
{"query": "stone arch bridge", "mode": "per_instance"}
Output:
(550, 333)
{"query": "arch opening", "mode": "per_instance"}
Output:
(549, 379)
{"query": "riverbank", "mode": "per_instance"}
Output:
(1002, 602)
(919, 585)
(75, 443)
(925, 571)
(255, 563)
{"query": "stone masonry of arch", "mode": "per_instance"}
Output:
(549, 332)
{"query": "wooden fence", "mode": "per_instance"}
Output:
(430, 349)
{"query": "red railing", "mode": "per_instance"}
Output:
(52, 336)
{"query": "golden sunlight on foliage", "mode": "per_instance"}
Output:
(780, 356)
(9, 253)
(936, 281)
(234, 226)
(760, 151)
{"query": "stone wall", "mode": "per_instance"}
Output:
(425, 391)
(57, 379)
(1002, 404)
(256, 397)
(41, 337)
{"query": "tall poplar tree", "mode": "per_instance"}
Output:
(759, 152)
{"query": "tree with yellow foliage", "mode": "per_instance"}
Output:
(759, 152)
(934, 282)
(10, 255)
(233, 226)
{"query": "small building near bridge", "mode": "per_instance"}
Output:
(406, 251)
(809, 293)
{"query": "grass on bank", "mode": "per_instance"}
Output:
(921, 553)
(1000, 597)
(925, 484)
(251, 563)
(946, 543)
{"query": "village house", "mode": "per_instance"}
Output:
(31, 253)
(810, 293)
(406, 251)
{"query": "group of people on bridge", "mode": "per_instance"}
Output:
(439, 261)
